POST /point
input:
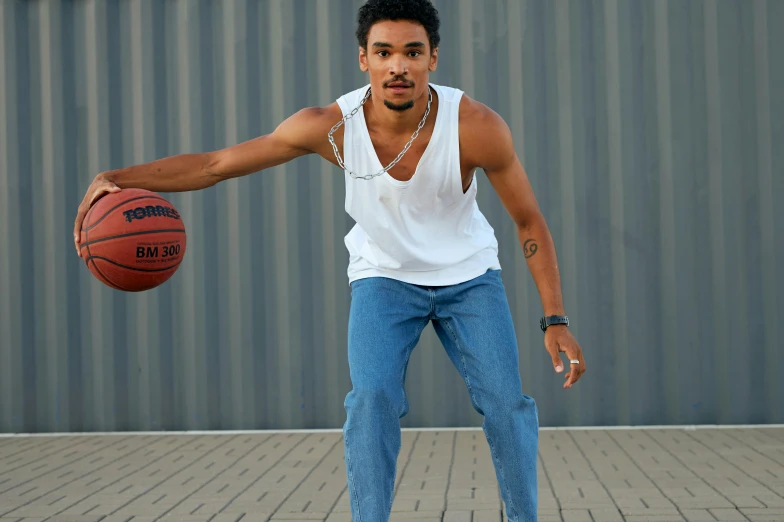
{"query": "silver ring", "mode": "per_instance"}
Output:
(574, 361)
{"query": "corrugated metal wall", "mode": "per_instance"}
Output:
(652, 132)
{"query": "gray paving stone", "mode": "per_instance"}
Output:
(256, 517)
(185, 518)
(601, 503)
(457, 516)
(727, 515)
(339, 517)
(606, 515)
(487, 516)
(416, 515)
(299, 516)
(397, 517)
(765, 515)
(707, 502)
(576, 515)
(655, 518)
(472, 505)
(73, 518)
(116, 518)
(656, 474)
(698, 515)
(754, 511)
(296, 520)
(745, 502)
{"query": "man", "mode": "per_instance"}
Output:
(421, 250)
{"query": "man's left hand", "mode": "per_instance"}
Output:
(557, 339)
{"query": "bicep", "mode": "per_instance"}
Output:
(511, 183)
(294, 137)
(495, 154)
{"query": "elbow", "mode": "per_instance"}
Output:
(211, 168)
(529, 220)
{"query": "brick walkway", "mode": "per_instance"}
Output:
(584, 475)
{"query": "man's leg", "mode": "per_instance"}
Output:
(385, 321)
(475, 326)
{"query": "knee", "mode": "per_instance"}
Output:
(377, 399)
(508, 405)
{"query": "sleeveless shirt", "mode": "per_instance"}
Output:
(424, 231)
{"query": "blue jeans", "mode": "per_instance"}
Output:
(473, 322)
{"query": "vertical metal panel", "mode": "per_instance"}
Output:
(618, 251)
(651, 133)
(767, 300)
(11, 290)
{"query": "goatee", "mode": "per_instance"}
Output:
(401, 107)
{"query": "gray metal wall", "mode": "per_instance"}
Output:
(652, 132)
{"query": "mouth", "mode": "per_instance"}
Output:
(398, 87)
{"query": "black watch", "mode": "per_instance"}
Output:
(544, 322)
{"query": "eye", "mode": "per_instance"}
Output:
(414, 54)
(383, 54)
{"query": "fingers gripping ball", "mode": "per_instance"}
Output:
(132, 240)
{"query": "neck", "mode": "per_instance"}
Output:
(403, 122)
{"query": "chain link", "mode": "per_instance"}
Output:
(399, 156)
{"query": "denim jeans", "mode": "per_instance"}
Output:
(474, 324)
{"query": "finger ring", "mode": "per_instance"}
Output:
(574, 361)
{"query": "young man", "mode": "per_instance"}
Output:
(421, 250)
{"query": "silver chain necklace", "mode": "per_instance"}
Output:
(399, 156)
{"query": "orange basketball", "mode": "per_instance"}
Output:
(132, 240)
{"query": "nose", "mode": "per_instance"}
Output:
(398, 66)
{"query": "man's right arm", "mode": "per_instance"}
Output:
(298, 135)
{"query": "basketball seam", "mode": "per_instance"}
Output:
(87, 219)
(90, 258)
(119, 205)
(106, 279)
(130, 234)
(133, 268)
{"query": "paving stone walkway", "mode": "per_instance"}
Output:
(446, 476)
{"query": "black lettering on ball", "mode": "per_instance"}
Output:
(150, 211)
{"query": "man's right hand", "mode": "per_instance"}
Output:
(302, 133)
(98, 188)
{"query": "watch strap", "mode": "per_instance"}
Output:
(550, 320)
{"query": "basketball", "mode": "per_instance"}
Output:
(132, 240)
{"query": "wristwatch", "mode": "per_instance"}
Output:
(544, 322)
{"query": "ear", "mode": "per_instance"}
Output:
(363, 59)
(433, 60)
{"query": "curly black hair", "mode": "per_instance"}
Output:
(421, 11)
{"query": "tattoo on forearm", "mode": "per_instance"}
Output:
(530, 247)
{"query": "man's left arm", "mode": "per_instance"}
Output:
(487, 144)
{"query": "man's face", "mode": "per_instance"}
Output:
(398, 60)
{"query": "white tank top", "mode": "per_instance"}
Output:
(424, 231)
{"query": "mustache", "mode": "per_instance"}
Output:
(399, 79)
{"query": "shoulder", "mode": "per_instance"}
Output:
(306, 128)
(318, 116)
(316, 119)
(311, 123)
(485, 138)
(477, 118)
